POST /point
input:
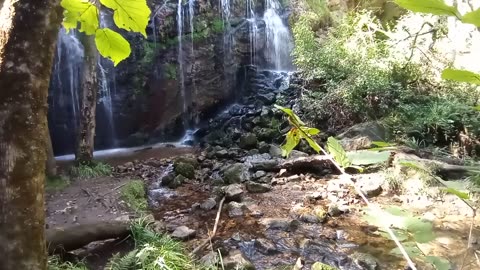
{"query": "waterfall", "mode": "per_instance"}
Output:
(104, 101)
(279, 40)
(64, 99)
(180, 60)
(253, 28)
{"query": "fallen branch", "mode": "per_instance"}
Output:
(209, 239)
(60, 240)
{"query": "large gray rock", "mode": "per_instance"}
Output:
(234, 192)
(285, 224)
(208, 204)
(236, 173)
(235, 209)
(262, 162)
(362, 135)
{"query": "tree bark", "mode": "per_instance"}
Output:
(89, 87)
(51, 165)
(28, 31)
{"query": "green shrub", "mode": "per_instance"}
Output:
(56, 183)
(134, 195)
(92, 170)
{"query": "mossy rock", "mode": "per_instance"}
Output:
(187, 160)
(185, 169)
(322, 266)
(248, 141)
(177, 181)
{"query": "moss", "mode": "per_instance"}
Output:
(184, 169)
(170, 71)
(134, 195)
(322, 266)
(56, 183)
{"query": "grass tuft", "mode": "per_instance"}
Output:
(95, 169)
(134, 195)
(55, 263)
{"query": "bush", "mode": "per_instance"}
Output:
(134, 195)
(364, 71)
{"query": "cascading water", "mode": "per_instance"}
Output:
(279, 41)
(253, 28)
(180, 60)
(64, 102)
(104, 100)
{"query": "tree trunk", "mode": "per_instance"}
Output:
(89, 87)
(51, 168)
(28, 31)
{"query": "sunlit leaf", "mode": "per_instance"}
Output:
(381, 144)
(131, 15)
(367, 157)
(336, 150)
(461, 76)
(292, 117)
(436, 7)
(472, 17)
(439, 263)
(422, 230)
(292, 140)
(112, 45)
(83, 12)
(458, 193)
(310, 131)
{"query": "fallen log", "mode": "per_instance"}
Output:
(61, 240)
(317, 164)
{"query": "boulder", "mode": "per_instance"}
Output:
(254, 187)
(185, 169)
(236, 173)
(235, 209)
(248, 141)
(234, 192)
(208, 204)
(177, 181)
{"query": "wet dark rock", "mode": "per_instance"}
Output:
(365, 261)
(262, 162)
(236, 260)
(253, 152)
(254, 187)
(168, 178)
(177, 181)
(184, 169)
(234, 192)
(236, 173)
(208, 204)
(235, 209)
(248, 141)
(285, 224)
(263, 147)
(222, 154)
(265, 246)
(183, 233)
(275, 151)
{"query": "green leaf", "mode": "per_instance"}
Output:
(292, 117)
(411, 249)
(458, 193)
(310, 131)
(381, 144)
(439, 263)
(461, 76)
(292, 140)
(367, 157)
(131, 15)
(112, 45)
(398, 211)
(400, 234)
(436, 7)
(336, 150)
(422, 230)
(472, 17)
(83, 12)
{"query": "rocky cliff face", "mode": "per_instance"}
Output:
(153, 97)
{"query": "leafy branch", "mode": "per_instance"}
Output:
(131, 15)
(337, 157)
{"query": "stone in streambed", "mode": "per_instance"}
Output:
(177, 181)
(254, 187)
(183, 233)
(235, 209)
(234, 192)
(184, 169)
(236, 173)
(236, 260)
(208, 204)
(248, 141)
